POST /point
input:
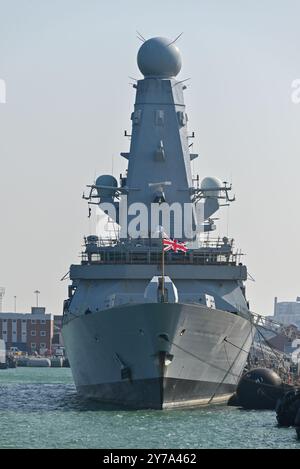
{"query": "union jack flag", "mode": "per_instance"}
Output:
(169, 244)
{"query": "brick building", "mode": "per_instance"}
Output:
(29, 332)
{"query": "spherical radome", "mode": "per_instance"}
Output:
(210, 183)
(110, 182)
(157, 57)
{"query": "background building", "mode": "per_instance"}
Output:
(287, 312)
(29, 332)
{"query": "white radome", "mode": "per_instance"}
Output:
(210, 183)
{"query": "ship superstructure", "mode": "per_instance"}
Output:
(136, 338)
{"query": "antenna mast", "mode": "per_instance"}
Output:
(2, 293)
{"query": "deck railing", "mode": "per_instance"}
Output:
(147, 257)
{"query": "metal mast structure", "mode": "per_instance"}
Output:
(2, 293)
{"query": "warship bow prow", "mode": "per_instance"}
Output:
(144, 327)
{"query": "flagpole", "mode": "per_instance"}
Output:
(175, 246)
(163, 272)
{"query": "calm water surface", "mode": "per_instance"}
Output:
(39, 408)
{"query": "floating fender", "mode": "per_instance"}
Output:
(259, 389)
(56, 362)
(66, 363)
(233, 400)
(22, 361)
(287, 408)
(12, 362)
(42, 362)
(297, 424)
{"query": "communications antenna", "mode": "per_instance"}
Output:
(2, 293)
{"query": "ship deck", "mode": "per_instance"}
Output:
(212, 252)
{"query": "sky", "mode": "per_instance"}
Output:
(66, 65)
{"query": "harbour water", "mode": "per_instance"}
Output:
(39, 408)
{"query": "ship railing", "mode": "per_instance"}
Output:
(206, 242)
(148, 257)
(100, 242)
(209, 242)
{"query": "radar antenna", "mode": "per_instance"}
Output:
(132, 78)
(140, 37)
(2, 293)
(176, 38)
(182, 81)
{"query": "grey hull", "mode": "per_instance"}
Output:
(158, 393)
(157, 355)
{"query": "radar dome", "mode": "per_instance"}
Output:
(109, 184)
(157, 57)
(211, 186)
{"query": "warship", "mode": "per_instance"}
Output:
(145, 326)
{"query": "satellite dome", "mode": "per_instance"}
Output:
(109, 185)
(158, 57)
(210, 183)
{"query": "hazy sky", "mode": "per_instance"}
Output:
(66, 65)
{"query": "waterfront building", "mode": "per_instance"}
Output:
(287, 312)
(28, 332)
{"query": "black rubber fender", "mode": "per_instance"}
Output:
(287, 408)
